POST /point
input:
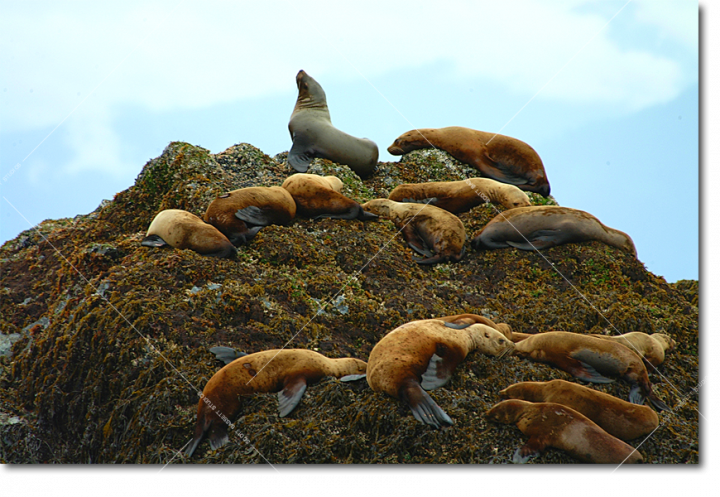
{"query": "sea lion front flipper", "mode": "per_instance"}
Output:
(289, 397)
(588, 373)
(226, 354)
(423, 407)
(254, 215)
(299, 157)
(435, 259)
(532, 448)
(457, 326)
(502, 172)
(352, 377)
(540, 239)
(436, 375)
(153, 241)
(415, 241)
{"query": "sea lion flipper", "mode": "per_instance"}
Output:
(532, 448)
(352, 377)
(415, 241)
(435, 259)
(502, 172)
(226, 354)
(299, 157)
(534, 242)
(588, 373)
(657, 403)
(254, 215)
(289, 397)
(364, 215)
(436, 375)
(457, 326)
(153, 241)
(423, 407)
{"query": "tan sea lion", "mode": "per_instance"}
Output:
(652, 348)
(422, 355)
(426, 229)
(319, 196)
(461, 196)
(499, 157)
(240, 214)
(314, 135)
(620, 419)
(184, 230)
(554, 425)
(287, 371)
(544, 226)
(591, 359)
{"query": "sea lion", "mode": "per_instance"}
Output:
(554, 425)
(499, 157)
(319, 196)
(240, 214)
(591, 359)
(426, 229)
(544, 226)
(461, 196)
(313, 134)
(287, 371)
(652, 348)
(503, 328)
(425, 354)
(183, 230)
(620, 419)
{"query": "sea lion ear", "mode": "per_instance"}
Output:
(153, 241)
(289, 397)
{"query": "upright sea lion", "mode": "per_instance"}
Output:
(591, 359)
(314, 135)
(287, 371)
(499, 157)
(319, 196)
(461, 196)
(183, 230)
(652, 348)
(426, 229)
(554, 425)
(425, 354)
(240, 214)
(620, 419)
(544, 226)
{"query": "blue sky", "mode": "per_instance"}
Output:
(606, 92)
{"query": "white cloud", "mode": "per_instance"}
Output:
(190, 55)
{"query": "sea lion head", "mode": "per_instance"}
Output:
(665, 341)
(514, 197)
(407, 142)
(490, 341)
(507, 411)
(310, 93)
(531, 391)
(379, 206)
(335, 183)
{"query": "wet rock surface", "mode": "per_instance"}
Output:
(107, 341)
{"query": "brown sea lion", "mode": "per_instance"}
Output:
(314, 135)
(287, 371)
(499, 157)
(319, 196)
(422, 355)
(554, 425)
(461, 196)
(652, 348)
(428, 230)
(182, 230)
(591, 359)
(620, 419)
(544, 226)
(240, 214)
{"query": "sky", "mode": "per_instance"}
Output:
(605, 91)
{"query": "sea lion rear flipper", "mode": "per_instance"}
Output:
(540, 239)
(532, 448)
(153, 241)
(299, 157)
(436, 375)
(588, 373)
(254, 215)
(502, 172)
(289, 397)
(352, 377)
(657, 403)
(435, 259)
(226, 354)
(423, 407)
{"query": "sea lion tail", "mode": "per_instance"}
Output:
(423, 406)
